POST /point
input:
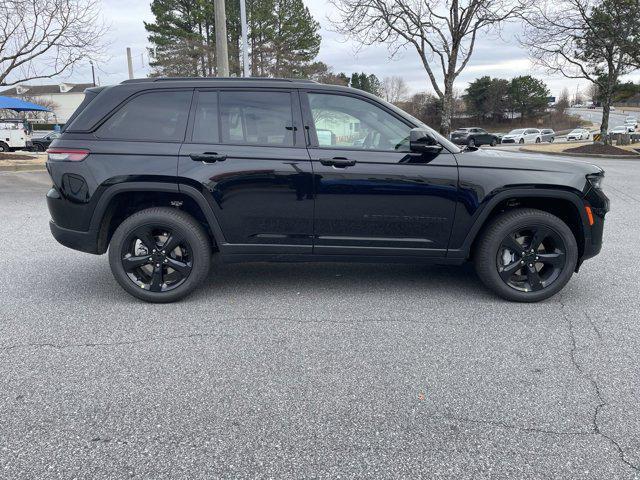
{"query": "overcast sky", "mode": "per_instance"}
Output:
(498, 57)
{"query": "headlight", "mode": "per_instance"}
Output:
(596, 180)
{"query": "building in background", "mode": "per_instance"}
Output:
(61, 99)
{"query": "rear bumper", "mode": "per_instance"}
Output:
(83, 241)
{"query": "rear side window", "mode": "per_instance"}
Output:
(205, 127)
(256, 118)
(154, 116)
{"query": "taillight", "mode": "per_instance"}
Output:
(67, 154)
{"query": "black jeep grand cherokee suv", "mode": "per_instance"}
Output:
(165, 172)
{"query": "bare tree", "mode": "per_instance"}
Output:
(582, 39)
(394, 89)
(44, 38)
(444, 30)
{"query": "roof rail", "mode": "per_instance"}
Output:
(223, 79)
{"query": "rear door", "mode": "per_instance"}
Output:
(245, 151)
(485, 138)
(373, 196)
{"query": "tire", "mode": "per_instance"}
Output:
(487, 255)
(551, 140)
(4, 147)
(493, 142)
(192, 266)
(38, 148)
(538, 140)
(471, 143)
(521, 142)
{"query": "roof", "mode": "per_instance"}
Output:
(46, 89)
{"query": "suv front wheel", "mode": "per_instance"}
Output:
(526, 255)
(160, 254)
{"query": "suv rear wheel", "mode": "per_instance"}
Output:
(160, 254)
(526, 255)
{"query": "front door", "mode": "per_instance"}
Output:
(246, 152)
(373, 196)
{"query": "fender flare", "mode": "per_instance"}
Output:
(480, 220)
(111, 191)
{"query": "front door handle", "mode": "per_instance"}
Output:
(208, 157)
(338, 162)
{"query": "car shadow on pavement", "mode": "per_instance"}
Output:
(445, 282)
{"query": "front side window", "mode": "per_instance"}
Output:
(347, 122)
(256, 118)
(155, 116)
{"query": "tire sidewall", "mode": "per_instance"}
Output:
(199, 250)
(488, 270)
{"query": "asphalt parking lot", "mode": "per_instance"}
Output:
(315, 370)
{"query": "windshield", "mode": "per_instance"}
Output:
(517, 131)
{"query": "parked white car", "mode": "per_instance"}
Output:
(631, 125)
(523, 135)
(578, 134)
(622, 129)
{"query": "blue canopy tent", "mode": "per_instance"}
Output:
(17, 105)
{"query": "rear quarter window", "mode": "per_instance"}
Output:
(152, 116)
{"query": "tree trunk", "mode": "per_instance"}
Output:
(447, 108)
(606, 109)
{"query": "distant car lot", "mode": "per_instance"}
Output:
(315, 370)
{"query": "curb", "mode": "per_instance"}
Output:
(583, 155)
(22, 168)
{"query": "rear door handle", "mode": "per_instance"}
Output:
(208, 157)
(338, 162)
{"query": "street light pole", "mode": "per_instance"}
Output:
(222, 57)
(245, 43)
(93, 73)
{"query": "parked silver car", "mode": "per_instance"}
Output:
(547, 135)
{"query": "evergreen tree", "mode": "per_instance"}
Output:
(528, 96)
(295, 41)
(283, 38)
(369, 83)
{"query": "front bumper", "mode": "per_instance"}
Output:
(599, 204)
(508, 140)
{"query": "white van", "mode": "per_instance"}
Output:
(15, 134)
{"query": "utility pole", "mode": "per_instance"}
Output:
(93, 73)
(245, 43)
(222, 57)
(129, 63)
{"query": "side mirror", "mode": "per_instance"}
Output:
(421, 141)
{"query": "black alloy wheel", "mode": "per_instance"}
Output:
(156, 258)
(531, 259)
(160, 254)
(526, 255)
